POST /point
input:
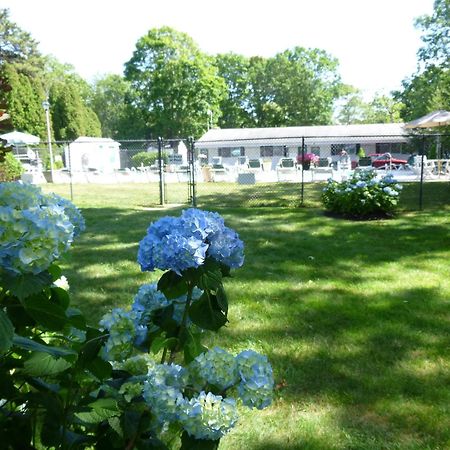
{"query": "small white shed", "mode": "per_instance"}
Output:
(91, 153)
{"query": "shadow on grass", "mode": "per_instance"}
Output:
(381, 360)
(378, 356)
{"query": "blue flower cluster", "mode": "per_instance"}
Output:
(256, 386)
(71, 211)
(35, 229)
(121, 326)
(205, 416)
(216, 367)
(185, 242)
(163, 391)
(147, 300)
(208, 416)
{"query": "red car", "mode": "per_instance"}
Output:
(386, 161)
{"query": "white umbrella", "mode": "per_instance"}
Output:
(433, 119)
(19, 138)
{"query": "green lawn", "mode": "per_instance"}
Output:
(354, 316)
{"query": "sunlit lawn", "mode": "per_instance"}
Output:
(354, 316)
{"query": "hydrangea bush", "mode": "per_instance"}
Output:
(143, 377)
(362, 196)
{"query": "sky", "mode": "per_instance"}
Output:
(374, 40)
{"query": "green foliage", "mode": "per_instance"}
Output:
(235, 107)
(176, 85)
(24, 101)
(71, 117)
(112, 101)
(436, 35)
(147, 158)
(381, 109)
(361, 153)
(11, 168)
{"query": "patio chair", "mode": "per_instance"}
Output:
(323, 166)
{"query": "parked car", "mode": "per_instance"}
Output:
(386, 161)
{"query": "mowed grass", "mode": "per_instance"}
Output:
(354, 316)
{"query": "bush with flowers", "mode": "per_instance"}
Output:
(363, 196)
(142, 379)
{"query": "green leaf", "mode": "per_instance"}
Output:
(172, 285)
(44, 364)
(76, 318)
(206, 313)
(162, 342)
(55, 271)
(92, 346)
(222, 299)
(192, 347)
(47, 314)
(100, 410)
(24, 285)
(28, 344)
(114, 423)
(60, 297)
(210, 280)
(190, 443)
(99, 368)
(6, 333)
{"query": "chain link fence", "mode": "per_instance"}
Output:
(284, 171)
(291, 170)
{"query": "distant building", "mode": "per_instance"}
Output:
(324, 141)
(92, 153)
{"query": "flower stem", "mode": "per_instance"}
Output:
(183, 321)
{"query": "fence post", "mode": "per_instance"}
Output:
(422, 151)
(192, 181)
(303, 169)
(70, 170)
(161, 173)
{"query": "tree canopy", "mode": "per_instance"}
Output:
(177, 86)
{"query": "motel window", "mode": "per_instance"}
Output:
(389, 147)
(228, 152)
(267, 151)
(351, 149)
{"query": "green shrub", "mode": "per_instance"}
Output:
(361, 153)
(363, 196)
(11, 168)
(147, 158)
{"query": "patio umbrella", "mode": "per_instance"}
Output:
(19, 138)
(433, 119)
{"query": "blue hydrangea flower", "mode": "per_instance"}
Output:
(122, 332)
(35, 229)
(256, 386)
(163, 391)
(209, 416)
(216, 367)
(71, 211)
(227, 248)
(181, 243)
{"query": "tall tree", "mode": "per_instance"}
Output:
(21, 67)
(235, 107)
(351, 107)
(113, 100)
(178, 86)
(429, 88)
(69, 96)
(435, 35)
(296, 87)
